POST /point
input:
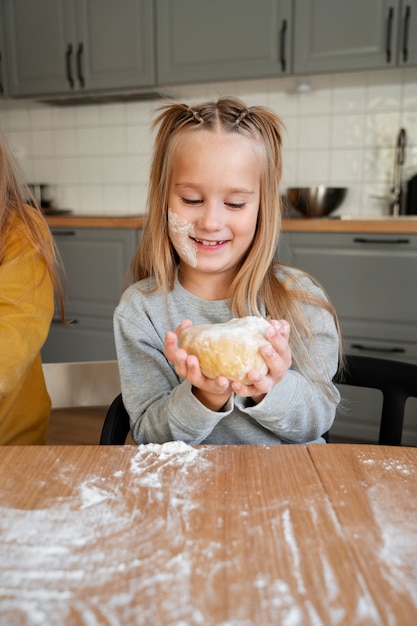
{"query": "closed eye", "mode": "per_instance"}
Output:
(235, 205)
(191, 202)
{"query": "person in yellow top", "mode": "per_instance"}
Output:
(29, 274)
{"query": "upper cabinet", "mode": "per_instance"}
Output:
(58, 48)
(222, 39)
(68, 46)
(4, 89)
(335, 35)
(407, 50)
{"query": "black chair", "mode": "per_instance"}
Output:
(116, 425)
(396, 380)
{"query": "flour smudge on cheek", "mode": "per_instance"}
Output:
(180, 232)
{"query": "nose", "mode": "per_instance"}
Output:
(212, 216)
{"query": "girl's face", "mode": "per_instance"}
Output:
(213, 200)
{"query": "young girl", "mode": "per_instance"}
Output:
(206, 256)
(28, 275)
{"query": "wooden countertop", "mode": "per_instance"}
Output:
(210, 535)
(95, 221)
(389, 225)
(403, 224)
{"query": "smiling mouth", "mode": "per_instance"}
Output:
(205, 242)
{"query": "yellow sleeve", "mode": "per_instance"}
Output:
(26, 309)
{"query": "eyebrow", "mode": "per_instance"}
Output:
(233, 190)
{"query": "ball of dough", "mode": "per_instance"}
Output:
(230, 349)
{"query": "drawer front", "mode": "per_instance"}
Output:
(87, 339)
(368, 277)
(96, 262)
(395, 343)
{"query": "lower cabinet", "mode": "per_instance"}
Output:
(371, 279)
(96, 261)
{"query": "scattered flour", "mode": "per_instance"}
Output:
(89, 559)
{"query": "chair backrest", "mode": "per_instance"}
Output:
(82, 384)
(395, 379)
(116, 425)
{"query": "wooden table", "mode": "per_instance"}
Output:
(221, 535)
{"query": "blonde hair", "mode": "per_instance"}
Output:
(256, 284)
(14, 195)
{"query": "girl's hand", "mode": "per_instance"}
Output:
(213, 393)
(277, 355)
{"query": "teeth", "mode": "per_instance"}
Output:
(208, 243)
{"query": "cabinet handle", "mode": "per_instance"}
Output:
(68, 56)
(79, 64)
(63, 233)
(282, 42)
(389, 35)
(381, 241)
(405, 33)
(359, 346)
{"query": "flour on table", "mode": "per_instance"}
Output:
(50, 574)
(170, 447)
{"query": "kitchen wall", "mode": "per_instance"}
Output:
(341, 132)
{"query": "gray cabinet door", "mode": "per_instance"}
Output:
(370, 278)
(407, 51)
(4, 84)
(69, 46)
(40, 46)
(115, 45)
(222, 39)
(335, 35)
(95, 262)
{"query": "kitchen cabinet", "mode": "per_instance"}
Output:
(407, 46)
(222, 39)
(96, 261)
(371, 279)
(334, 35)
(66, 47)
(4, 86)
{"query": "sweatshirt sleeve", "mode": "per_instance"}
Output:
(26, 310)
(297, 410)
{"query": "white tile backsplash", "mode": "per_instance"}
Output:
(381, 129)
(114, 140)
(349, 93)
(313, 166)
(89, 170)
(67, 171)
(46, 170)
(346, 167)
(410, 90)
(89, 141)
(315, 102)
(342, 133)
(66, 142)
(139, 139)
(43, 143)
(20, 143)
(314, 133)
(347, 131)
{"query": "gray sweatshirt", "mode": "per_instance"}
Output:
(162, 406)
